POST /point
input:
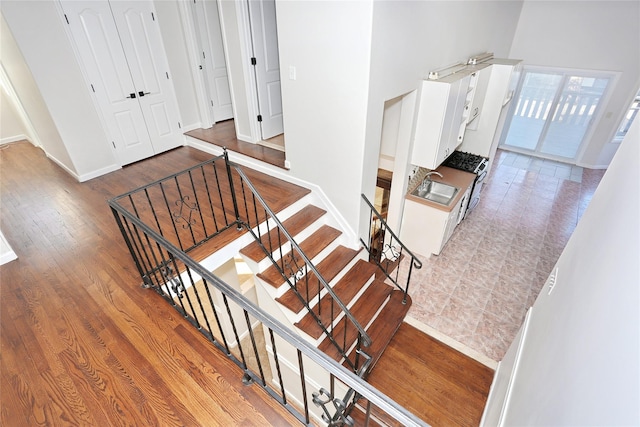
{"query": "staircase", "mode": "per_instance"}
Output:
(377, 306)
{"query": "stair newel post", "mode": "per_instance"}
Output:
(236, 211)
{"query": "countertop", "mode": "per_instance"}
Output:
(451, 176)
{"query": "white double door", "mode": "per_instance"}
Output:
(121, 48)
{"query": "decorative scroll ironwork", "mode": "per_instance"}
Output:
(174, 283)
(179, 216)
(339, 417)
(291, 265)
(390, 252)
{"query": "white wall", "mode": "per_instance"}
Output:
(596, 35)
(580, 363)
(11, 126)
(40, 35)
(329, 43)
(350, 58)
(27, 91)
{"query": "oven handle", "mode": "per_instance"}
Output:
(481, 177)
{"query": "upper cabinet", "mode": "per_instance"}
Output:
(444, 108)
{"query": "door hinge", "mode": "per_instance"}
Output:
(211, 102)
(167, 73)
(93, 89)
(114, 144)
(259, 117)
(253, 61)
(66, 18)
(153, 16)
(204, 56)
(179, 125)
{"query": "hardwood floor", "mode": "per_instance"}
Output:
(223, 134)
(81, 342)
(452, 388)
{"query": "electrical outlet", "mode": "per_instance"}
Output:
(553, 279)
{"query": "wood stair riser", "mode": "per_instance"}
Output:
(277, 253)
(301, 224)
(332, 283)
(328, 268)
(313, 246)
(340, 316)
(284, 286)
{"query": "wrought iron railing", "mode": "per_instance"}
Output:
(386, 250)
(163, 222)
(302, 276)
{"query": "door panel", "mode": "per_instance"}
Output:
(267, 69)
(144, 50)
(96, 37)
(207, 19)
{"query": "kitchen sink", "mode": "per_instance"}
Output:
(437, 192)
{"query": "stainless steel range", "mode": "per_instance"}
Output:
(473, 163)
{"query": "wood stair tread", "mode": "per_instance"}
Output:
(346, 289)
(363, 310)
(294, 225)
(385, 326)
(329, 268)
(311, 246)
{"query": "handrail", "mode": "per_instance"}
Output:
(415, 262)
(366, 339)
(350, 379)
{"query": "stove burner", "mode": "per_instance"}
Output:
(465, 161)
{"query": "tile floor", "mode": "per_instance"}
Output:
(477, 290)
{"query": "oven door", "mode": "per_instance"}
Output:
(475, 193)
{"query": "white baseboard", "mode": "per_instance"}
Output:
(99, 172)
(15, 138)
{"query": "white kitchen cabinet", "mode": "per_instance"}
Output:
(482, 134)
(480, 84)
(441, 118)
(426, 229)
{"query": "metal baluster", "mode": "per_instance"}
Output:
(217, 317)
(195, 196)
(175, 229)
(206, 186)
(303, 380)
(277, 362)
(255, 347)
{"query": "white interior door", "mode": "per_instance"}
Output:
(214, 67)
(262, 15)
(96, 37)
(144, 50)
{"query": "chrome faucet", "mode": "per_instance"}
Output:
(427, 179)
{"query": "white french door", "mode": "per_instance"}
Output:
(262, 15)
(553, 111)
(121, 49)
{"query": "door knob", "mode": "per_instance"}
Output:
(131, 95)
(141, 93)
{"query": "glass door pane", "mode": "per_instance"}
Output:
(575, 108)
(533, 106)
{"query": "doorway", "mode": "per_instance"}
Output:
(553, 112)
(266, 67)
(212, 61)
